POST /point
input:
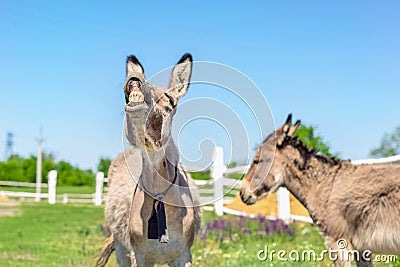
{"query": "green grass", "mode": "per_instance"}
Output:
(69, 235)
(237, 176)
(206, 175)
(51, 235)
(201, 175)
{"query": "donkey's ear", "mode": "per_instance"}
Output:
(287, 124)
(283, 131)
(294, 128)
(133, 67)
(180, 76)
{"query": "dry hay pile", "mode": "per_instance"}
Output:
(268, 206)
(3, 198)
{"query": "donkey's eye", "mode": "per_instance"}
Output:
(256, 161)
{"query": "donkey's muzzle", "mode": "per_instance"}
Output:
(139, 99)
(247, 197)
(137, 90)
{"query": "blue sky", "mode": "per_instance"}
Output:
(335, 65)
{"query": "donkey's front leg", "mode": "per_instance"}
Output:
(185, 260)
(364, 263)
(123, 255)
(332, 244)
(143, 261)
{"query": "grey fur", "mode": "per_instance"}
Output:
(151, 163)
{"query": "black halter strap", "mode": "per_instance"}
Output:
(161, 195)
(157, 224)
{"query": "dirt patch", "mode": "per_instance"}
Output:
(10, 208)
(10, 212)
(9, 204)
(25, 256)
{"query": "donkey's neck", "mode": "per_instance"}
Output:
(310, 180)
(158, 158)
(135, 132)
(162, 159)
(159, 168)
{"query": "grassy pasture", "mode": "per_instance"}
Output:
(69, 235)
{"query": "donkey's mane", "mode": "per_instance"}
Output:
(307, 153)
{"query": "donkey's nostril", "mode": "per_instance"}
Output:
(243, 196)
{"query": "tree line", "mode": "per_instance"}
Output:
(17, 168)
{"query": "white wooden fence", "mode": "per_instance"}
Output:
(391, 159)
(215, 192)
(50, 195)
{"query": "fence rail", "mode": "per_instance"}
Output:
(76, 198)
(22, 194)
(391, 159)
(21, 184)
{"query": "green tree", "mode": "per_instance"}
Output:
(11, 170)
(64, 172)
(28, 166)
(21, 169)
(47, 166)
(70, 175)
(104, 165)
(390, 145)
(308, 136)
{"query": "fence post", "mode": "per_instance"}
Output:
(99, 188)
(65, 198)
(217, 171)
(283, 196)
(52, 184)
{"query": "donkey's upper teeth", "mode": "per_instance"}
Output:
(136, 97)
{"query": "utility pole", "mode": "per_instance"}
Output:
(39, 166)
(9, 146)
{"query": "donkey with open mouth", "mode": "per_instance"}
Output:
(152, 204)
(356, 203)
